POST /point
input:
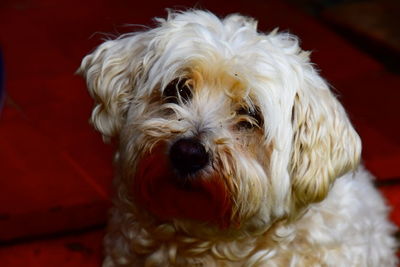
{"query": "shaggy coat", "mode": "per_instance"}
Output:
(277, 180)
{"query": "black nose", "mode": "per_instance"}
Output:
(188, 155)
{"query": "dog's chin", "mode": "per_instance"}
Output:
(168, 195)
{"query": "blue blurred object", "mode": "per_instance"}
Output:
(2, 89)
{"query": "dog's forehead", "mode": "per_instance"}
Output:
(207, 40)
(210, 66)
(219, 78)
(228, 55)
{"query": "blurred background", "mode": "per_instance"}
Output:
(55, 172)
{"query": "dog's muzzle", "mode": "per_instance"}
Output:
(172, 186)
(188, 155)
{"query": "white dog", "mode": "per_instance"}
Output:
(232, 151)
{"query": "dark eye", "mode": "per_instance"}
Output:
(176, 90)
(251, 118)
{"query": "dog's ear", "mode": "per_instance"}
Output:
(111, 72)
(325, 145)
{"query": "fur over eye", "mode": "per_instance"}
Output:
(177, 91)
(251, 118)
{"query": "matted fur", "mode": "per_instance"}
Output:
(270, 195)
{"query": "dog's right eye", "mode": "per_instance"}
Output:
(177, 91)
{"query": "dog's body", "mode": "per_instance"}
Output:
(331, 233)
(230, 150)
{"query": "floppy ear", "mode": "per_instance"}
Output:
(111, 72)
(325, 145)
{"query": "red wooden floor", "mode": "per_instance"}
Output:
(55, 173)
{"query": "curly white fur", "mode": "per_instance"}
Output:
(287, 205)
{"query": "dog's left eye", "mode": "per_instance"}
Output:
(177, 90)
(252, 118)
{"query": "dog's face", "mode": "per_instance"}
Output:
(218, 123)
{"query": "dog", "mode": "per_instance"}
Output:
(231, 151)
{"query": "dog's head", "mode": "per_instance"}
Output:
(217, 122)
